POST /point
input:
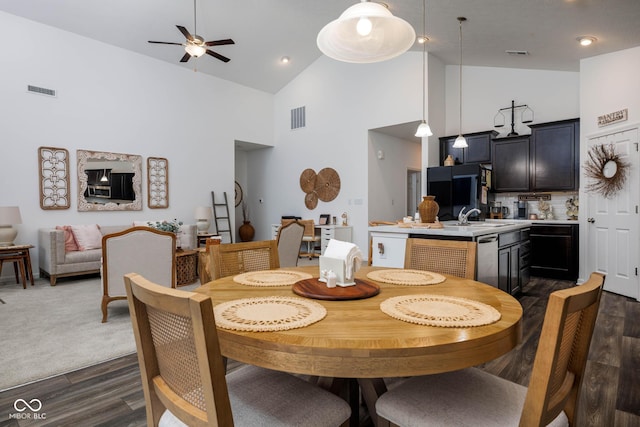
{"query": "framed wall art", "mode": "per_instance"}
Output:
(53, 169)
(157, 183)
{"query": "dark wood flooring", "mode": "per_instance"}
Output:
(110, 394)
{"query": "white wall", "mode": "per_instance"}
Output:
(110, 99)
(388, 176)
(607, 83)
(343, 101)
(552, 95)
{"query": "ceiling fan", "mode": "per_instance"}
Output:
(195, 45)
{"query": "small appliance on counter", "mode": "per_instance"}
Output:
(520, 210)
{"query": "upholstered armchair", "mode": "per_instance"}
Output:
(141, 250)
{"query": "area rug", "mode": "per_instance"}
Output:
(49, 330)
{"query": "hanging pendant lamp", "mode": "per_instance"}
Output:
(423, 128)
(366, 32)
(460, 141)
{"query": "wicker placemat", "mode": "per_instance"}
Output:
(271, 278)
(440, 310)
(262, 314)
(406, 277)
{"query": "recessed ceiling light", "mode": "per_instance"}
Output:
(586, 40)
(285, 59)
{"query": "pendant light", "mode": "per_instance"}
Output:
(424, 129)
(366, 32)
(460, 141)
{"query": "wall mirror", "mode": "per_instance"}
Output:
(109, 181)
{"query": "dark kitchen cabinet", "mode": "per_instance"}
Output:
(478, 150)
(554, 251)
(546, 160)
(510, 162)
(555, 156)
(513, 260)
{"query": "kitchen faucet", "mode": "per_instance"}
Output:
(463, 218)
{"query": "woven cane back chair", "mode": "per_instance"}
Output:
(183, 373)
(442, 256)
(310, 237)
(475, 397)
(229, 259)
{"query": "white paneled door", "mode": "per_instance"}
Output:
(613, 225)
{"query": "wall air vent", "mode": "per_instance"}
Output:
(517, 52)
(41, 90)
(298, 118)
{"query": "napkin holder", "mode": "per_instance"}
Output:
(339, 267)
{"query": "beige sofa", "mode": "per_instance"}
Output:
(55, 262)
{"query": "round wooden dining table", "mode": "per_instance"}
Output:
(358, 340)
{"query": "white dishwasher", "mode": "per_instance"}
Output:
(488, 259)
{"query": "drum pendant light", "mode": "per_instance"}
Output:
(366, 32)
(424, 129)
(460, 141)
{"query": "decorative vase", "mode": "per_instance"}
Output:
(246, 231)
(449, 161)
(428, 209)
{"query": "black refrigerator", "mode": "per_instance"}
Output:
(457, 187)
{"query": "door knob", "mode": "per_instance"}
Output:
(591, 220)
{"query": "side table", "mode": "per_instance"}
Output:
(202, 238)
(186, 267)
(20, 257)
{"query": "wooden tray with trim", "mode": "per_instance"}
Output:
(313, 288)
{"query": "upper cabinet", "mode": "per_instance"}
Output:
(478, 150)
(546, 160)
(555, 156)
(510, 163)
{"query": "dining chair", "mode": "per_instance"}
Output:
(183, 373)
(229, 259)
(475, 397)
(310, 237)
(289, 240)
(143, 250)
(453, 257)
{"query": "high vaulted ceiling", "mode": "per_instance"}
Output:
(266, 30)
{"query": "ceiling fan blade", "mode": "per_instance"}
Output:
(185, 58)
(178, 44)
(186, 33)
(217, 55)
(219, 42)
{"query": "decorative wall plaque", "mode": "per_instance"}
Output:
(157, 182)
(54, 178)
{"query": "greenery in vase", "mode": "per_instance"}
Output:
(172, 226)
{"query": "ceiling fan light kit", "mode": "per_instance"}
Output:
(194, 45)
(366, 32)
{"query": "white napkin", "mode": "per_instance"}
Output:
(346, 251)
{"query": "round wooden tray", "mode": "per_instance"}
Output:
(313, 288)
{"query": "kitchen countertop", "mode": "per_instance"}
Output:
(475, 229)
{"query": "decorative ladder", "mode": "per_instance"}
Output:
(221, 217)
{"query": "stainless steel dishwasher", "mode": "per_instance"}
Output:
(488, 259)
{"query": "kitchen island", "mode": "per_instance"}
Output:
(502, 255)
(508, 250)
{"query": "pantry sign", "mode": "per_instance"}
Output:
(611, 118)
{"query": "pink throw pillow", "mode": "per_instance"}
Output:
(70, 244)
(87, 236)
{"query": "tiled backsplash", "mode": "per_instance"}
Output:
(557, 202)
